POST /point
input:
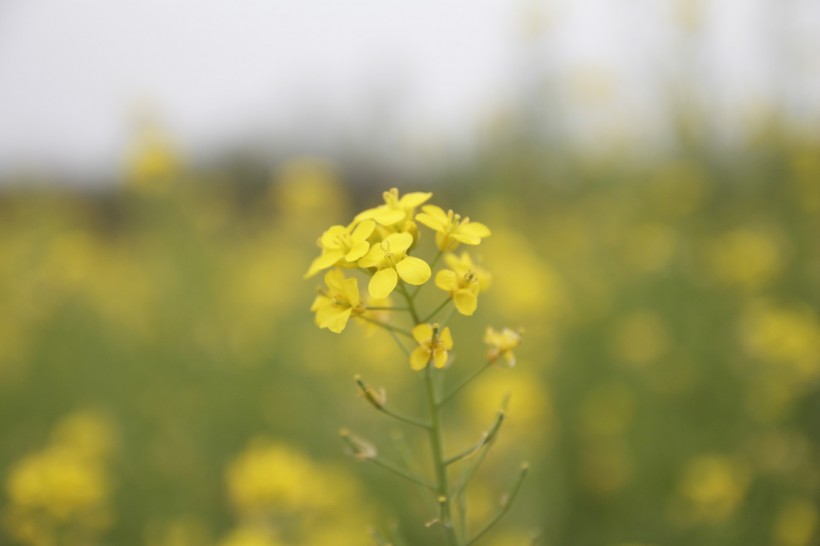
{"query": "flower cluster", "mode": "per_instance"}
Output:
(380, 243)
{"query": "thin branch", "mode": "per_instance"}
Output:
(435, 312)
(387, 326)
(387, 465)
(486, 439)
(506, 503)
(464, 383)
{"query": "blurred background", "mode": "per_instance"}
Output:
(651, 174)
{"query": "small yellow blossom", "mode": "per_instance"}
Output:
(451, 229)
(464, 263)
(502, 344)
(342, 244)
(463, 282)
(433, 344)
(395, 208)
(334, 306)
(392, 262)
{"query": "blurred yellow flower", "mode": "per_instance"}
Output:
(712, 488)
(796, 523)
(502, 344)
(746, 257)
(433, 344)
(334, 306)
(64, 488)
(344, 244)
(395, 208)
(451, 229)
(392, 262)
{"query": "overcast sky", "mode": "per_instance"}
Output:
(74, 75)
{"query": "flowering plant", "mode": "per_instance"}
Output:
(381, 243)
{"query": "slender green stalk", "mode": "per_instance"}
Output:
(412, 308)
(388, 308)
(389, 327)
(408, 420)
(506, 503)
(466, 382)
(437, 448)
(392, 467)
(486, 438)
(404, 349)
(437, 309)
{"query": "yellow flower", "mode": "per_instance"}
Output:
(334, 306)
(502, 344)
(391, 261)
(451, 229)
(433, 344)
(463, 282)
(395, 209)
(462, 264)
(342, 244)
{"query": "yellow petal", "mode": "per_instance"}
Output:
(398, 243)
(351, 291)
(446, 339)
(447, 280)
(330, 237)
(413, 270)
(387, 216)
(335, 279)
(373, 258)
(337, 321)
(414, 199)
(383, 283)
(327, 259)
(475, 229)
(422, 333)
(419, 358)
(466, 302)
(439, 357)
(357, 251)
(433, 217)
(363, 231)
(320, 301)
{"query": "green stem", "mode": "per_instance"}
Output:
(437, 309)
(465, 382)
(486, 439)
(412, 308)
(505, 505)
(387, 326)
(388, 308)
(387, 465)
(402, 418)
(437, 448)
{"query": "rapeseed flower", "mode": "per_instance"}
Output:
(392, 262)
(335, 305)
(463, 282)
(433, 344)
(342, 245)
(395, 208)
(502, 344)
(451, 229)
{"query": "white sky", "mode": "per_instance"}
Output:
(315, 73)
